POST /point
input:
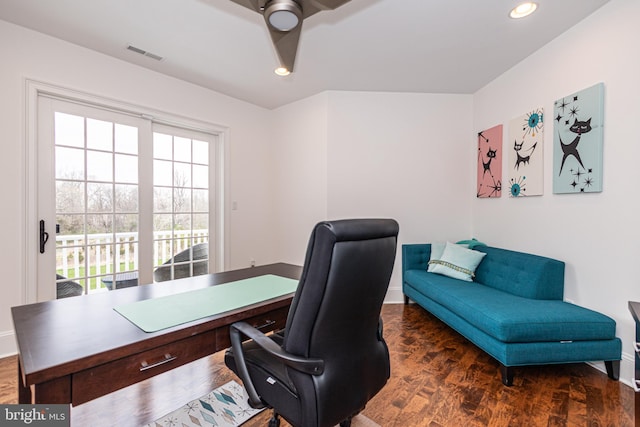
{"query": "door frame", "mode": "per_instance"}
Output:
(220, 205)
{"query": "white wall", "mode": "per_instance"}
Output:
(27, 54)
(361, 154)
(596, 234)
(300, 178)
(401, 156)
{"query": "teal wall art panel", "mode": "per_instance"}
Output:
(578, 130)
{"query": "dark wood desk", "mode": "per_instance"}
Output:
(74, 350)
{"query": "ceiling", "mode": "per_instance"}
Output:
(429, 46)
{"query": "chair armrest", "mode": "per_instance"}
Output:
(380, 329)
(302, 364)
(309, 366)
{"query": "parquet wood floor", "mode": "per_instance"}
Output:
(438, 379)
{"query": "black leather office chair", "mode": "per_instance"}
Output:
(331, 358)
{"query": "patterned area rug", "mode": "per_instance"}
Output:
(226, 406)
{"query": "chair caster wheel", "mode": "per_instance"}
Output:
(274, 421)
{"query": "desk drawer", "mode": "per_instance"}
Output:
(100, 380)
(274, 320)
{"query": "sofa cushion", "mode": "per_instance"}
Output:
(456, 261)
(437, 249)
(511, 318)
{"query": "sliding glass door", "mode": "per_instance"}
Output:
(121, 200)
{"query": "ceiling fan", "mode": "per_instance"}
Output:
(284, 22)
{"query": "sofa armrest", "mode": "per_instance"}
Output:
(415, 257)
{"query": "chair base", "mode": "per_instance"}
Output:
(274, 421)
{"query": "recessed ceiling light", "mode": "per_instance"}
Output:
(524, 9)
(282, 71)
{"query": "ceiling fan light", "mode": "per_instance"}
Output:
(283, 15)
(283, 20)
(282, 71)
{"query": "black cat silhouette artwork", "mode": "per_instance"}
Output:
(491, 154)
(522, 159)
(572, 148)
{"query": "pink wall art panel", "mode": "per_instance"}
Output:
(526, 162)
(490, 162)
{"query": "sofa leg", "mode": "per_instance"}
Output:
(613, 369)
(406, 300)
(507, 375)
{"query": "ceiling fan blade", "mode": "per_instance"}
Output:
(286, 42)
(250, 4)
(286, 45)
(325, 4)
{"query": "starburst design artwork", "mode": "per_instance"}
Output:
(517, 186)
(534, 121)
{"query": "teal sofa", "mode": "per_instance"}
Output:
(513, 310)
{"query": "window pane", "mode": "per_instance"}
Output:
(126, 168)
(69, 196)
(99, 135)
(126, 198)
(69, 163)
(162, 252)
(69, 130)
(99, 166)
(162, 146)
(200, 200)
(162, 197)
(201, 222)
(182, 225)
(126, 139)
(200, 268)
(99, 224)
(181, 200)
(200, 152)
(126, 223)
(162, 173)
(163, 225)
(181, 149)
(70, 226)
(200, 176)
(99, 197)
(182, 175)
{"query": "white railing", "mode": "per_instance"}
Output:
(108, 253)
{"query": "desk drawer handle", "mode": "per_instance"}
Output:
(266, 324)
(167, 358)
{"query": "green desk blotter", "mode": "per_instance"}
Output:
(155, 314)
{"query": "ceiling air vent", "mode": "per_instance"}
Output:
(144, 52)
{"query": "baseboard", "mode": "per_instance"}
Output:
(7, 344)
(627, 368)
(394, 295)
